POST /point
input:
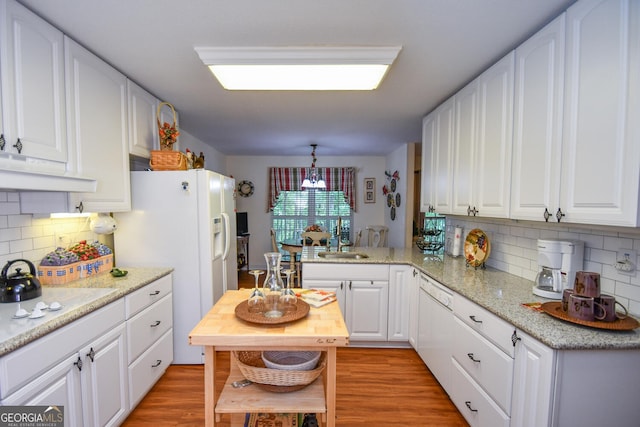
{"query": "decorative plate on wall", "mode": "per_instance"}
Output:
(245, 188)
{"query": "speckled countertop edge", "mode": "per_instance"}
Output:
(500, 293)
(119, 286)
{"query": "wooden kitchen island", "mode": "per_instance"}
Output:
(323, 329)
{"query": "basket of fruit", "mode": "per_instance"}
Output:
(59, 267)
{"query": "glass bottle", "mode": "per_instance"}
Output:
(273, 285)
(273, 281)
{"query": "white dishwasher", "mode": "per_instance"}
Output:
(435, 329)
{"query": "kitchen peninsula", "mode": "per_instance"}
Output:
(508, 365)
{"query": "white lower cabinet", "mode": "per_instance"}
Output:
(100, 366)
(81, 366)
(104, 379)
(400, 289)
(475, 405)
(363, 295)
(149, 315)
(532, 382)
(483, 360)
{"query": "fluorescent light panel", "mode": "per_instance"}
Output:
(299, 68)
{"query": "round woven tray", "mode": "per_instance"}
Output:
(242, 311)
(555, 309)
(276, 380)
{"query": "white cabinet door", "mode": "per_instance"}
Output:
(413, 308)
(427, 196)
(437, 159)
(400, 288)
(466, 136)
(483, 139)
(367, 306)
(492, 185)
(143, 135)
(533, 378)
(537, 124)
(601, 139)
(32, 53)
(97, 97)
(59, 385)
(104, 379)
(364, 305)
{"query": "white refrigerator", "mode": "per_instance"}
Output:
(184, 220)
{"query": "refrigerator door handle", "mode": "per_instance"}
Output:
(227, 239)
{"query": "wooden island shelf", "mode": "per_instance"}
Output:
(322, 329)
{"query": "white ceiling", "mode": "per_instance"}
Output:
(445, 44)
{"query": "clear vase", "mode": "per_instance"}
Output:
(273, 282)
(273, 285)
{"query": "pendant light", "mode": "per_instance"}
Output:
(314, 180)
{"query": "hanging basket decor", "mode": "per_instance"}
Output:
(168, 132)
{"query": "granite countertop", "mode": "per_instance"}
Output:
(499, 292)
(77, 298)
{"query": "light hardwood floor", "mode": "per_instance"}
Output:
(375, 387)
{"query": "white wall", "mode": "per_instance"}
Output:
(255, 169)
(213, 159)
(402, 225)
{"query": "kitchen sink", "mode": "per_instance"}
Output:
(342, 255)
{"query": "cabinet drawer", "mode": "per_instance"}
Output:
(147, 295)
(21, 366)
(147, 326)
(322, 271)
(473, 403)
(487, 324)
(145, 371)
(490, 367)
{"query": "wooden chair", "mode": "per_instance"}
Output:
(377, 236)
(293, 258)
(315, 238)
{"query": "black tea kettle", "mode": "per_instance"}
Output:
(19, 286)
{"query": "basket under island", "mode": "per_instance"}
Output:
(323, 329)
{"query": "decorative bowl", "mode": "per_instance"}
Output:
(291, 360)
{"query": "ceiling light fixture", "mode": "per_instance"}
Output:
(299, 68)
(314, 180)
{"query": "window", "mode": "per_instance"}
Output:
(295, 210)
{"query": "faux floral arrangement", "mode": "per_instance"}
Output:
(168, 135)
(314, 227)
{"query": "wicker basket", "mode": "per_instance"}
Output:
(252, 367)
(168, 161)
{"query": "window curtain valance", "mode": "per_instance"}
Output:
(290, 179)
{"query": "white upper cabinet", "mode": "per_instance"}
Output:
(465, 141)
(437, 156)
(98, 126)
(32, 86)
(143, 135)
(537, 124)
(601, 137)
(428, 139)
(483, 139)
(492, 185)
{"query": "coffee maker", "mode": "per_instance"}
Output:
(558, 261)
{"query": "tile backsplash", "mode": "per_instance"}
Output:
(26, 236)
(513, 249)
